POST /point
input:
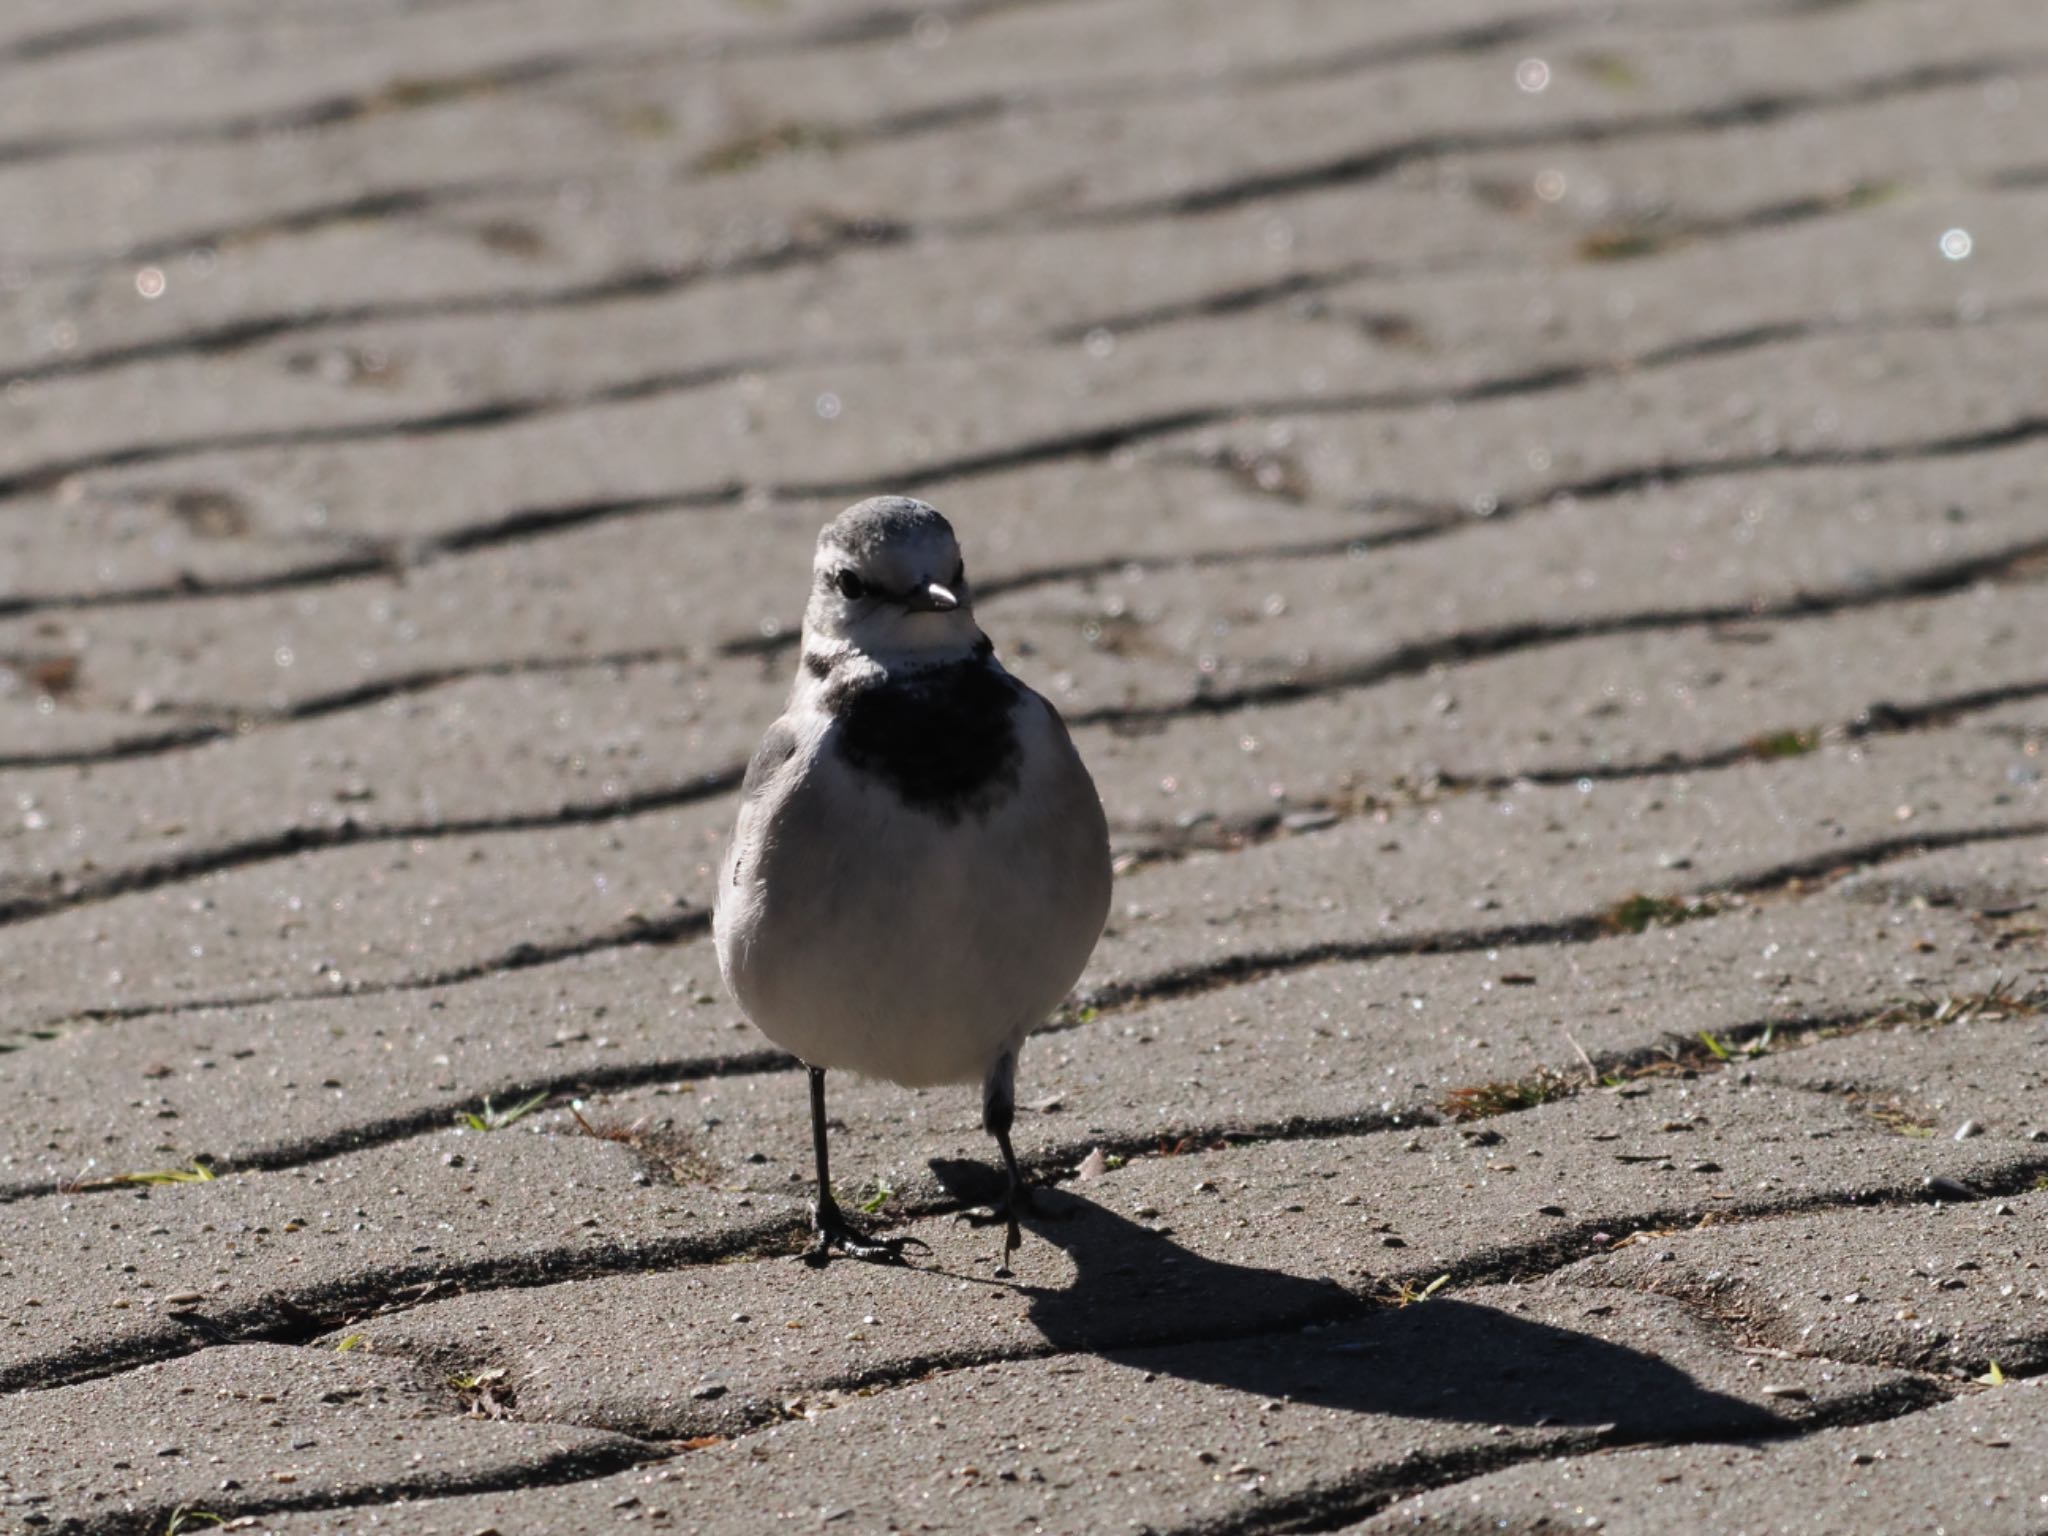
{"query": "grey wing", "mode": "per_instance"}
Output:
(759, 790)
(776, 749)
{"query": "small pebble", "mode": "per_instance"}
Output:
(1308, 821)
(1968, 1129)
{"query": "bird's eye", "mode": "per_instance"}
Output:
(850, 586)
(959, 574)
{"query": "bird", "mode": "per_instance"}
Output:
(921, 868)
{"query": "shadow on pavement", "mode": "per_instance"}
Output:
(1443, 1359)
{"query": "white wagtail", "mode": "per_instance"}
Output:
(921, 866)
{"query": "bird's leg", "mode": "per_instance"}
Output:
(998, 1112)
(828, 1222)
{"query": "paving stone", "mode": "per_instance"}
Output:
(488, 752)
(375, 915)
(1434, 868)
(1187, 147)
(1364, 420)
(2002, 885)
(1216, 1242)
(758, 432)
(1477, 326)
(1513, 450)
(551, 360)
(618, 734)
(408, 344)
(1692, 290)
(1973, 1464)
(100, 1280)
(1752, 539)
(264, 1427)
(1951, 1287)
(1342, 1045)
(270, 1083)
(1979, 1071)
(214, 73)
(1607, 705)
(1116, 525)
(1175, 145)
(757, 1129)
(1635, 194)
(41, 733)
(634, 586)
(768, 430)
(888, 1326)
(1430, 865)
(1209, 1433)
(1609, 845)
(460, 1209)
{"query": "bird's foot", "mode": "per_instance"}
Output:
(833, 1233)
(1018, 1198)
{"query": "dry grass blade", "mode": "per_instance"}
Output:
(1482, 1101)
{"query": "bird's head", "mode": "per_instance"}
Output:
(889, 581)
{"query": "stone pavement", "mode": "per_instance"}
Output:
(1535, 513)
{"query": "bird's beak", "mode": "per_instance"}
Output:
(931, 598)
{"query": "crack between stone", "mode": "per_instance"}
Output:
(1801, 874)
(1880, 718)
(552, 1469)
(1051, 1163)
(512, 410)
(1371, 164)
(338, 109)
(1418, 657)
(1318, 1507)
(341, 108)
(214, 722)
(1343, 1501)
(636, 932)
(1440, 519)
(300, 1320)
(435, 1118)
(58, 42)
(1379, 161)
(303, 1317)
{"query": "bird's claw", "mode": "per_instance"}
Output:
(832, 1232)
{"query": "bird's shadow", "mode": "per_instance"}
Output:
(1135, 1289)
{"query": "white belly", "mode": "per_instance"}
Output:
(866, 936)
